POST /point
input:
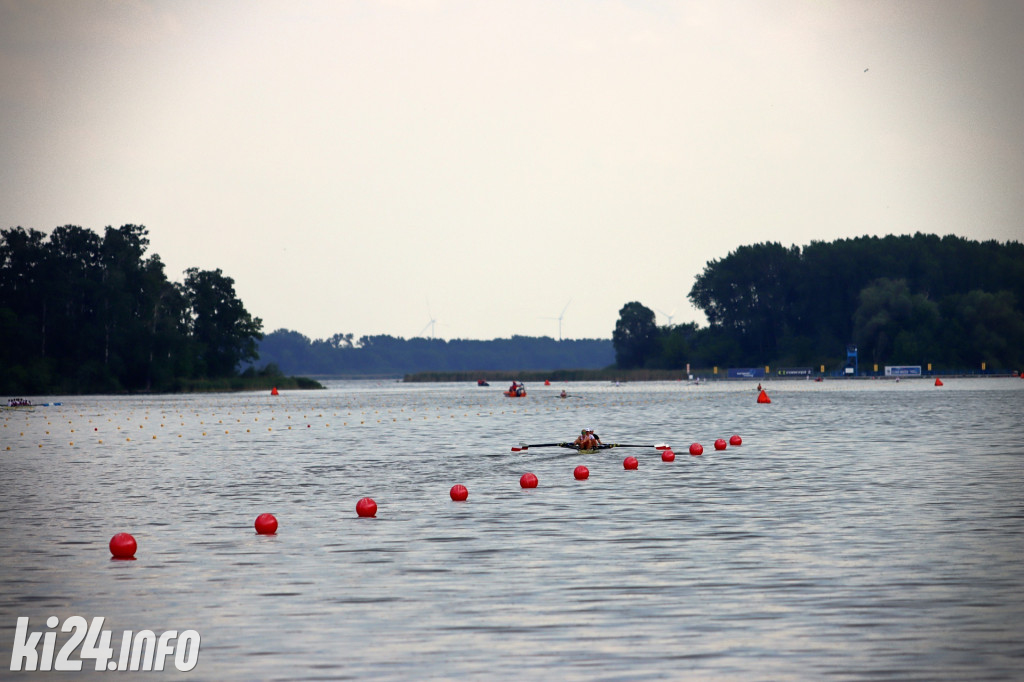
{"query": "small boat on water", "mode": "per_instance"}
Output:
(516, 390)
(481, 382)
(19, 402)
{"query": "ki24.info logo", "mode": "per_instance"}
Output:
(142, 650)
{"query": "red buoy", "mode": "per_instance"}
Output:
(630, 463)
(528, 480)
(735, 440)
(696, 449)
(668, 456)
(581, 473)
(459, 492)
(366, 507)
(763, 397)
(266, 524)
(938, 381)
(720, 444)
(123, 546)
(273, 391)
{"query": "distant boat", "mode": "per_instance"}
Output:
(516, 390)
(481, 382)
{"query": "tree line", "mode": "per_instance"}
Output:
(84, 312)
(383, 355)
(914, 300)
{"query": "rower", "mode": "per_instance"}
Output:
(583, 441)
(595, 438)
(564, 394)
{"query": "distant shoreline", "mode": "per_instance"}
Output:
(535, 376)
(227, 385)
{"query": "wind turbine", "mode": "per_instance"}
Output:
(669, 316)
(430, 324)
(559, 318)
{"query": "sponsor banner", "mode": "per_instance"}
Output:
(903, 370)
(746, 372)
(794, 372)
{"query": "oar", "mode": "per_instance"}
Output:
(660, 446)
(524, 446)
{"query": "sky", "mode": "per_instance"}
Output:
(478, 170)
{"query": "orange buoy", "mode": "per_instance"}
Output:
(459, 492)
(528, 480)
(366, 507)
(763, 397)
(123, 546)
(630, 463)
(735, 440)
(266, 524)
(696, 449)
(938, 381)
(581, 473)
(720, 444)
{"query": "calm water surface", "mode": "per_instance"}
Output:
(864, 530)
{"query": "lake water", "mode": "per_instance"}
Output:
(863, 530)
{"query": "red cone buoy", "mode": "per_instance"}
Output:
(735, 440)
(581, 473)
(720, 444)
(696, 449)
(630, 463)
(528, 480)
(459, 493)
(763, 397)
(668, 456)
(366, 507)
(266, 524)
(938, 381)
(123, 546)
(547, 382)
(273, 391)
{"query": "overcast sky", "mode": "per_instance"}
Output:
(368, 166)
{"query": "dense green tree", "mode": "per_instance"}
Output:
(223, 332)
(888, 312)
(84, 312)
(635, 337)
(751, 293)
(802, 306)
(993, 324)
